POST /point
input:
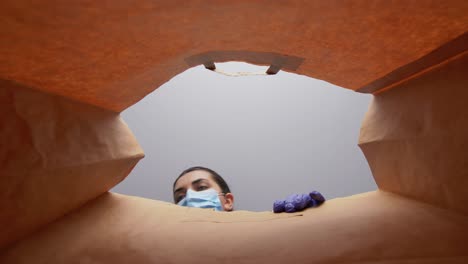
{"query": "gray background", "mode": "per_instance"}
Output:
(268, 136)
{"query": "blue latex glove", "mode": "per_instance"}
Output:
(298, 202)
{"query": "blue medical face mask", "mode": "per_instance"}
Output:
(202, 199)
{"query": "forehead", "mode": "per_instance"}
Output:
(188, 178)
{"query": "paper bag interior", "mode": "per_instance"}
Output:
(69, 68)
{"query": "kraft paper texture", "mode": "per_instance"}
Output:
(375, 227)
(68, 68)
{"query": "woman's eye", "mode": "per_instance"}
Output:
(180, 198)
(201, 188)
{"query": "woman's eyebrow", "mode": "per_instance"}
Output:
(197, 181)
(178, 190)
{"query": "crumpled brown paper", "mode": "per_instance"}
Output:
(55, 155)
(375, 227)
(415, 137)
(59, 152)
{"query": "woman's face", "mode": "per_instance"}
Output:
(200, 180)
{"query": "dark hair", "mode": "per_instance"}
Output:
(216, 177)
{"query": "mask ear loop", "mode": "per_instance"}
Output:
(224, 195)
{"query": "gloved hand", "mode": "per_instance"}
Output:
(298, 202)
